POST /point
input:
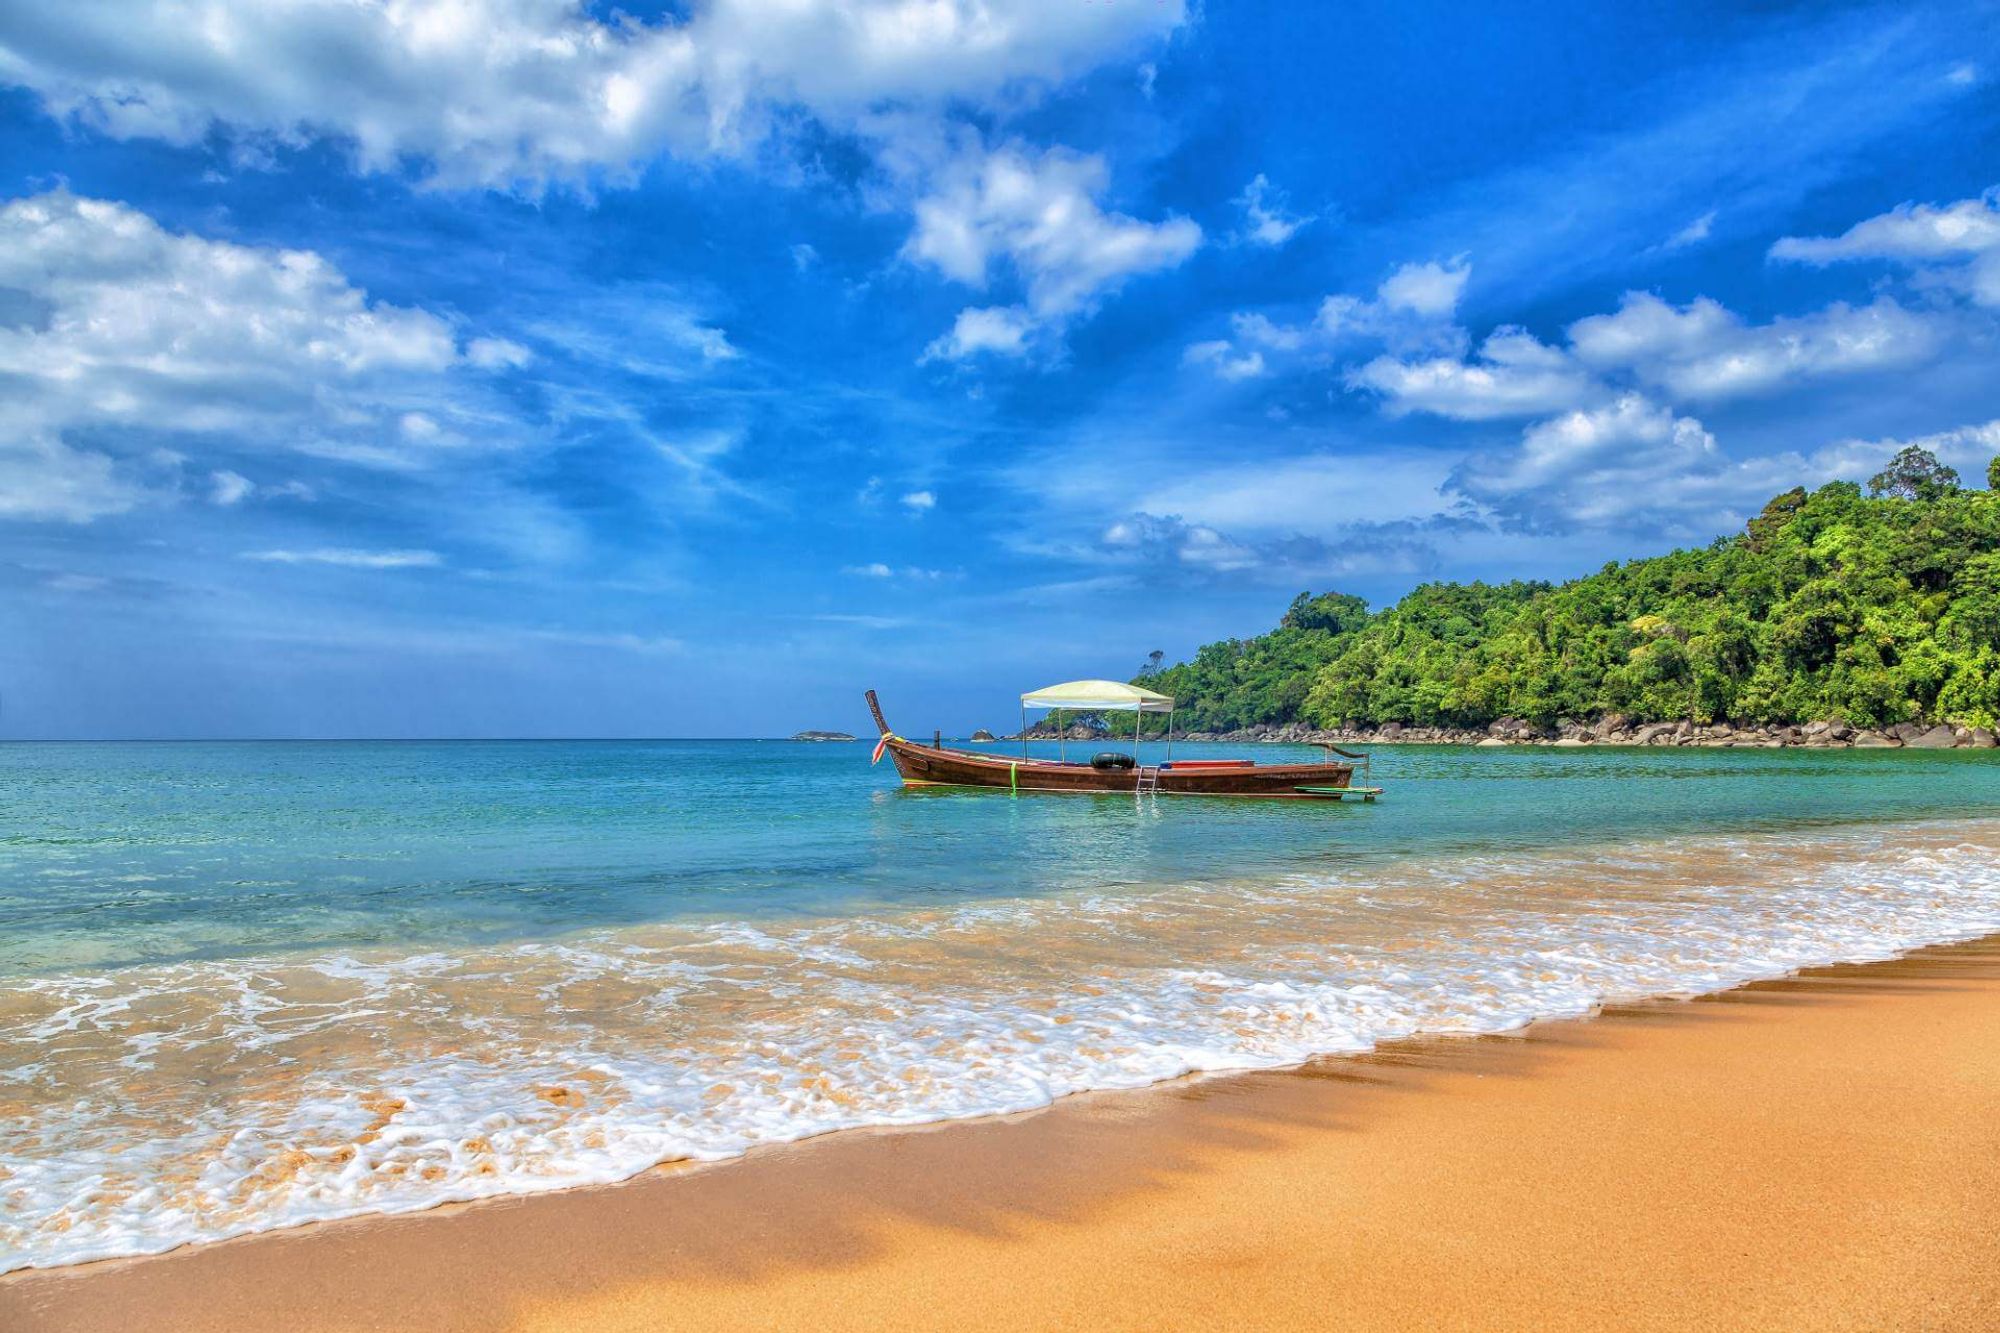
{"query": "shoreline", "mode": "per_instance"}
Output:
(1421, 1158)
(1608, 733)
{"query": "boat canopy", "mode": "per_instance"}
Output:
(1096, 695)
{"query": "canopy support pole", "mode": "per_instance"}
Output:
(1024, 731)
(1170, 735)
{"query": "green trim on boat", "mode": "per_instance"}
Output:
(1365, 793)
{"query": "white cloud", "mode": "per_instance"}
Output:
(1966, 448)
(1705, 351)
(1429, 289)
(1636, 460)
(699, 456)
(920, 502)
(879, 570)
(1701, 351)
(1908, 231)
(350, 558)
(503, 92)
(1962, 240)
(1312, 493)
(1693, 234)
(1000, 330)
(1514, 375)
(1596, 465)
(1154, 536)
(43, 478)
(1411, 312)
(1266, 221)
(129, 332)
(1038, 213)
(497, 354)
(1221, 354)
(227, 488)
(804, 256)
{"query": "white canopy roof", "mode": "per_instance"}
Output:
(1095, 695)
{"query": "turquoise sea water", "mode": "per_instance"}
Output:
(249, 985)
(114, 854)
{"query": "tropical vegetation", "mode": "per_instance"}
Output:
(1872, 607)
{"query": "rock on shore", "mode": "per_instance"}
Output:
(1617, 729)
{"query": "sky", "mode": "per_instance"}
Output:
(441, 368)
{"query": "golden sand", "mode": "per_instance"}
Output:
(1818, 1153)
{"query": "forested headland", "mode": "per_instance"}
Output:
(1867, 608)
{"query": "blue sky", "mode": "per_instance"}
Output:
(523, 367)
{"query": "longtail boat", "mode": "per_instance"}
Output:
(934, 765)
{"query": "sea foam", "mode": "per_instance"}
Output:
(150, 1107)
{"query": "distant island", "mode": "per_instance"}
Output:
(1837, 617)
(821, 736)
(982, 736)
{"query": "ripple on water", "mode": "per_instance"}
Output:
(148, 1107)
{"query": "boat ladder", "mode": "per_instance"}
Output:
(1148, 780)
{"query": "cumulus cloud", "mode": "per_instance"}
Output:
(1701, 351)
(999, 330)
(1266, 220)
(919, 502)
(1908, 231)
(507, 92)
(1961, 242)
(1595, 465)
(43, 478)
(1704, 351)
(1634, 460)
(1153, 537)
(1428, 289)
(1513, 374)
(1411, 311)
(1966, 448)
(122, 330)
(350, 558)
(1037, 213)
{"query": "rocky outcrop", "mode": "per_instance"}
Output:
(821, 736)
(1617, 729)
(981, 735)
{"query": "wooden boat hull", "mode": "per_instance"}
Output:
(935, 766)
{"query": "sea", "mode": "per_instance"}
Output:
(246, 986)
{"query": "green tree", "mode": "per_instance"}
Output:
(1914, 474)
(1829, 604)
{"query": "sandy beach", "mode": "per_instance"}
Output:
(1819, 1152)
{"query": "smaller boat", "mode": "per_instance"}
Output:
(934, 765)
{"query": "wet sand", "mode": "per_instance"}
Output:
(1822, 1152)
